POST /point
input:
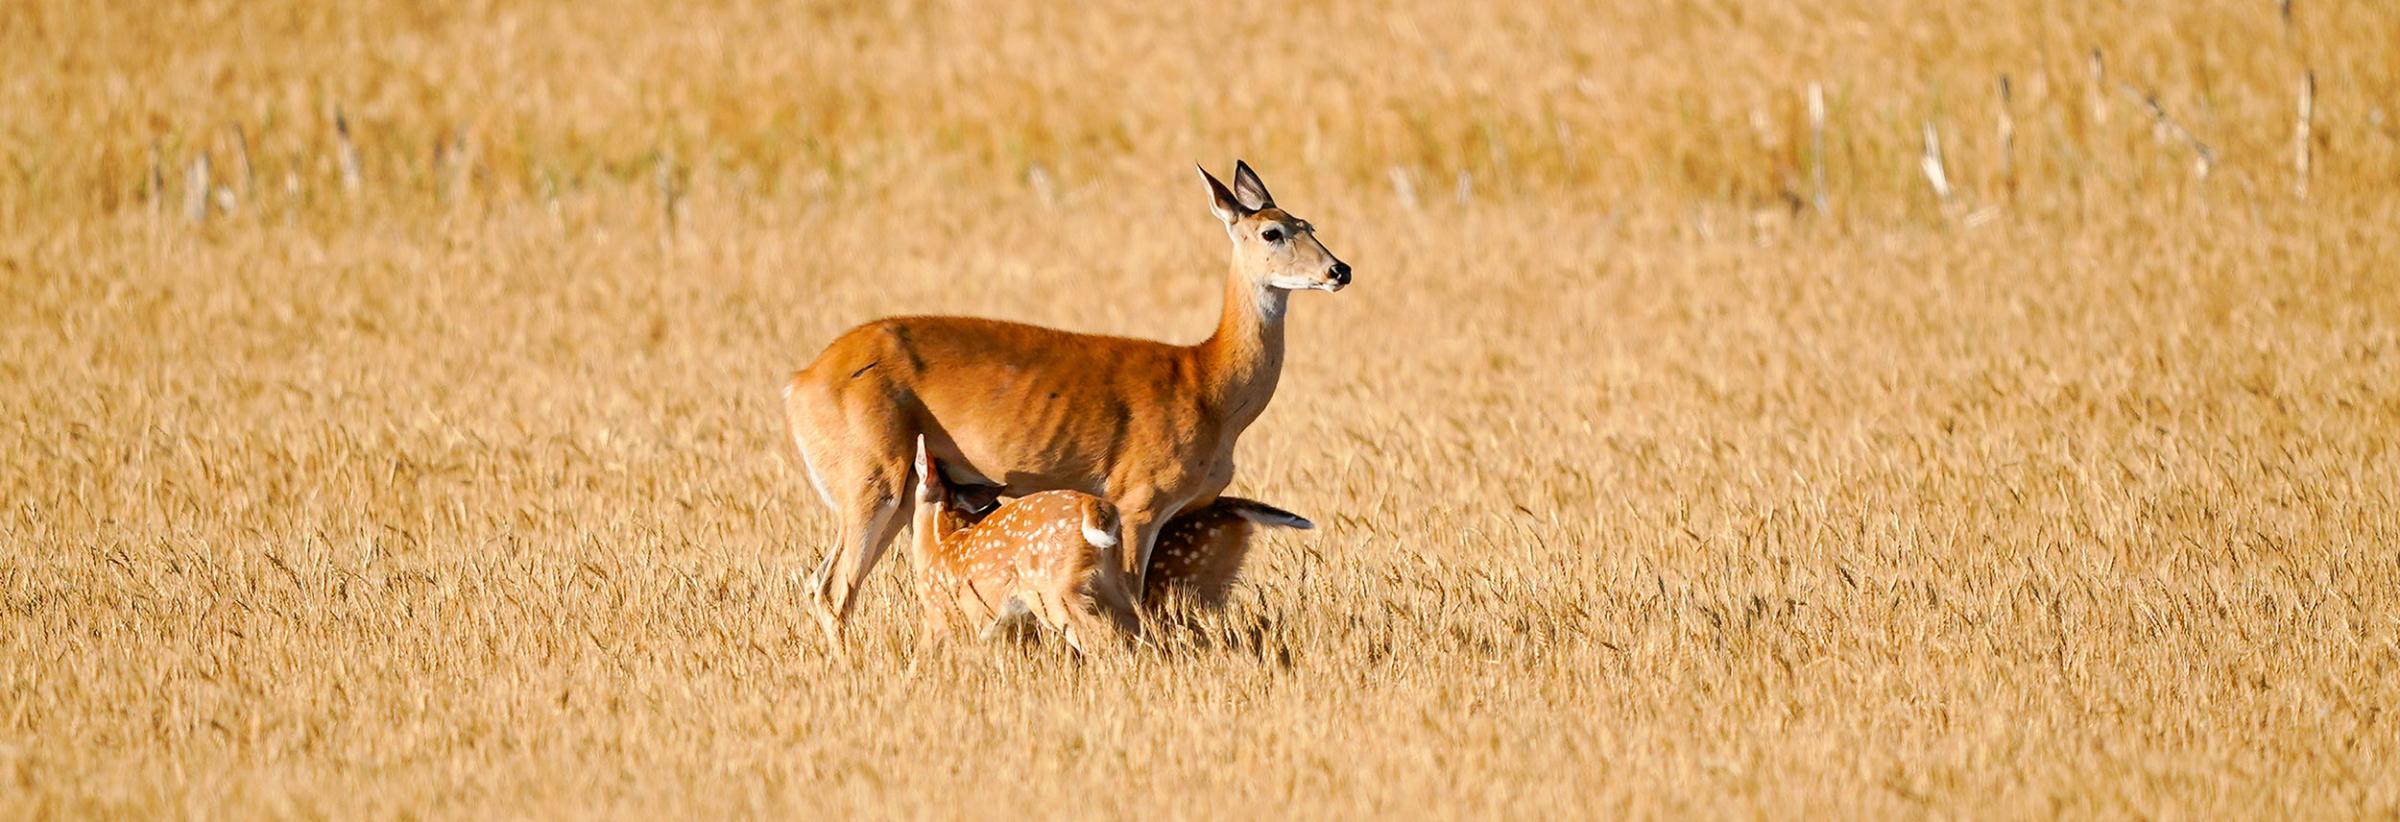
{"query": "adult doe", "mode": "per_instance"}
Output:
(1146, 425)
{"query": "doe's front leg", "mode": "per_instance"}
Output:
(1138, 527)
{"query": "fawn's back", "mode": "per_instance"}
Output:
(1043, 555)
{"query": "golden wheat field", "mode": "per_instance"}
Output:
(1672, 455)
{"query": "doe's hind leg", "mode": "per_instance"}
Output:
(871, 516)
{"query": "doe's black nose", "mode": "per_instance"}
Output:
(1341, 272)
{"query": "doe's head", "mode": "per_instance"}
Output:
(1276, 249)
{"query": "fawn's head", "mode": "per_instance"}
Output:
(1276, 249)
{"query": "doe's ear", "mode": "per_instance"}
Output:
(1229, 210)
(1246, 188)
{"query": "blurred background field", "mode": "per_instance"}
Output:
(387, 417)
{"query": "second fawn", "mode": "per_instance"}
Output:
(1200, 553)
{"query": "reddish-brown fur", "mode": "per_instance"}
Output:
(1148, 426)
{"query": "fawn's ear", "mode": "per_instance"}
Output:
(1229, 209)
(1246, 188)
(1272, 516)
(929, 478)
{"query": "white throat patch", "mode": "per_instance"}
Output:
(1273, 301)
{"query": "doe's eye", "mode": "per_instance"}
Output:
(1272, 235)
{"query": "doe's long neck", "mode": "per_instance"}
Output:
(1243, 360)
